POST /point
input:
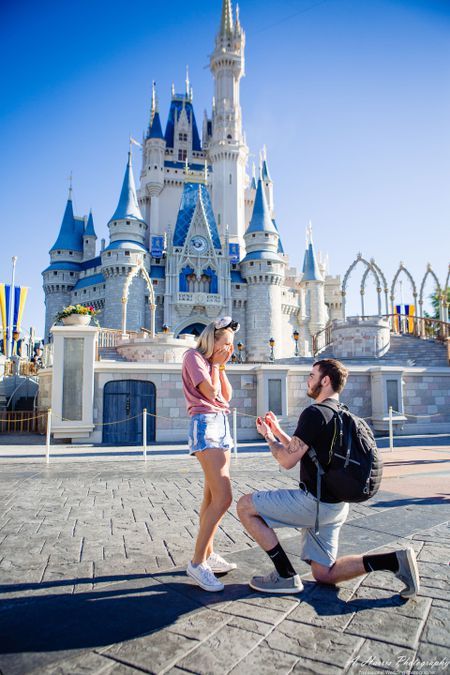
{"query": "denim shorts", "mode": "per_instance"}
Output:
(297, 508)
(209, 430)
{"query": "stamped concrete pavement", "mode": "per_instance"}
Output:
(92, 558)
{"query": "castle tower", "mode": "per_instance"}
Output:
(89, 239)
(264, 270)
(127, 241)
(61, 275)
(152, 174)
(313, 283)
(227, 150)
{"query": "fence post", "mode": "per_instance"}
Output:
(235, 450)
(391, 431)
(49, 430)
(144, 432)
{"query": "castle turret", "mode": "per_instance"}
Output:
(268, 184)
(313, 283)
(227, 150)
(89, 239)
(61, 275)
(264, 270)
(128, 234)
(152, 174)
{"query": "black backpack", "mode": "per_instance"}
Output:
(354, 471)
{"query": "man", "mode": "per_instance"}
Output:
(260, 512)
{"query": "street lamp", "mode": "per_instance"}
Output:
(165, 328)
(272, 345)
(296, 336)
(233, 358)
(240, 347)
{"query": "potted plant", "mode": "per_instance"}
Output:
(76, 315)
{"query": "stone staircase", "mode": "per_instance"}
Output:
(405, 350)
(110, 354)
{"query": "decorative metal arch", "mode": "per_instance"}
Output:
(445, 296)
(385, 283)
(371, 269)
(138, 269)
(403, 269)
(359, 258)
(430, 272)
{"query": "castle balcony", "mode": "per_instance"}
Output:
(199, 299)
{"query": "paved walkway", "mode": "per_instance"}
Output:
(92, 558)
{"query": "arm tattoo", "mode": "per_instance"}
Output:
(296, 445)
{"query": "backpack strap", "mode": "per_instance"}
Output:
(313, 456)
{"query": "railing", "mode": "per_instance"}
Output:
(200, 298)
(423, 327)
(24, 421)
(322, 339)
(110, 337)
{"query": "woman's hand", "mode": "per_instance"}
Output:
(221, 355)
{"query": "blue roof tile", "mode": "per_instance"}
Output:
(156, 129)
(236, 277)
(90, 231)
(93, 262)
(63, 265)
(260, 220)
(128, 207)
(262, 255)
(192, 192)
(70, 236)
(89, 281)
(176, 106)
(311, 271)
(157, 272)
(124, 244)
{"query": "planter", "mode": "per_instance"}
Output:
(77, 320)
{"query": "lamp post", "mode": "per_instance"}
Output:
(240, 347)
(296, 336)
(165, 328)
(233, 358)
(272, 345)
(11, 307)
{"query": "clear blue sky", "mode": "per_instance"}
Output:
(351, 98)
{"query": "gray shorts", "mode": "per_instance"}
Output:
(297, 508)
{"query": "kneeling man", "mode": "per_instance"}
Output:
(260, 512)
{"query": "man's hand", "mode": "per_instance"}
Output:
(272, 422)
(262, 428)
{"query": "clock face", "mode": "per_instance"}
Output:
(199, 244)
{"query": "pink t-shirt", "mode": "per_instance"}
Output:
(195, 370)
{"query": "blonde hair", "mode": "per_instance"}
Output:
(207, 338)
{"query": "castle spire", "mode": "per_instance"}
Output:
(187, 82)
(127, 207)
(265, 169)
(226, 21)
(261, 220)
(311, 269)
(89, 230)
(69, 237)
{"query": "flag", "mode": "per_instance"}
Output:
(134, 141)
(18, 299)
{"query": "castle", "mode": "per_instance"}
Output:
(201, 227)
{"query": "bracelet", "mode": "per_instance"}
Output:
(222, 366)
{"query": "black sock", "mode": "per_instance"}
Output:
(381, 561)
(281, 562)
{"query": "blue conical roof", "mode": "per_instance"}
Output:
(156, 129)
(192, 193)
(311, 271)
(69, 237)
(90, 231)
(261, 220)
(265, 171)
(128, 207)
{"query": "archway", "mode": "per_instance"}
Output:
(369, 268)
(402, 270)
(192, 329)
(439, 294)
(138, 269)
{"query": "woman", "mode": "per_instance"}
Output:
(208, 393)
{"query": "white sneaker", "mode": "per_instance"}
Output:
(204, 577)
(219, 565)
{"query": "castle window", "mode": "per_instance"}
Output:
(266, 235)
(182, 155)
(218, 218)
(253, 235)
(230, 178)
(71, 274)
(229, 138)
(70, 252)
(238, 286)
(95, 288)
(182, 137)
(76, 293)
(251, 264)
(109, 253)
(86, 241)
(155, 282)
(58, 252)
(84, 291)
(127, 252)
(128, 222)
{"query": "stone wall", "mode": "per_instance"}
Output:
(361, 338)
